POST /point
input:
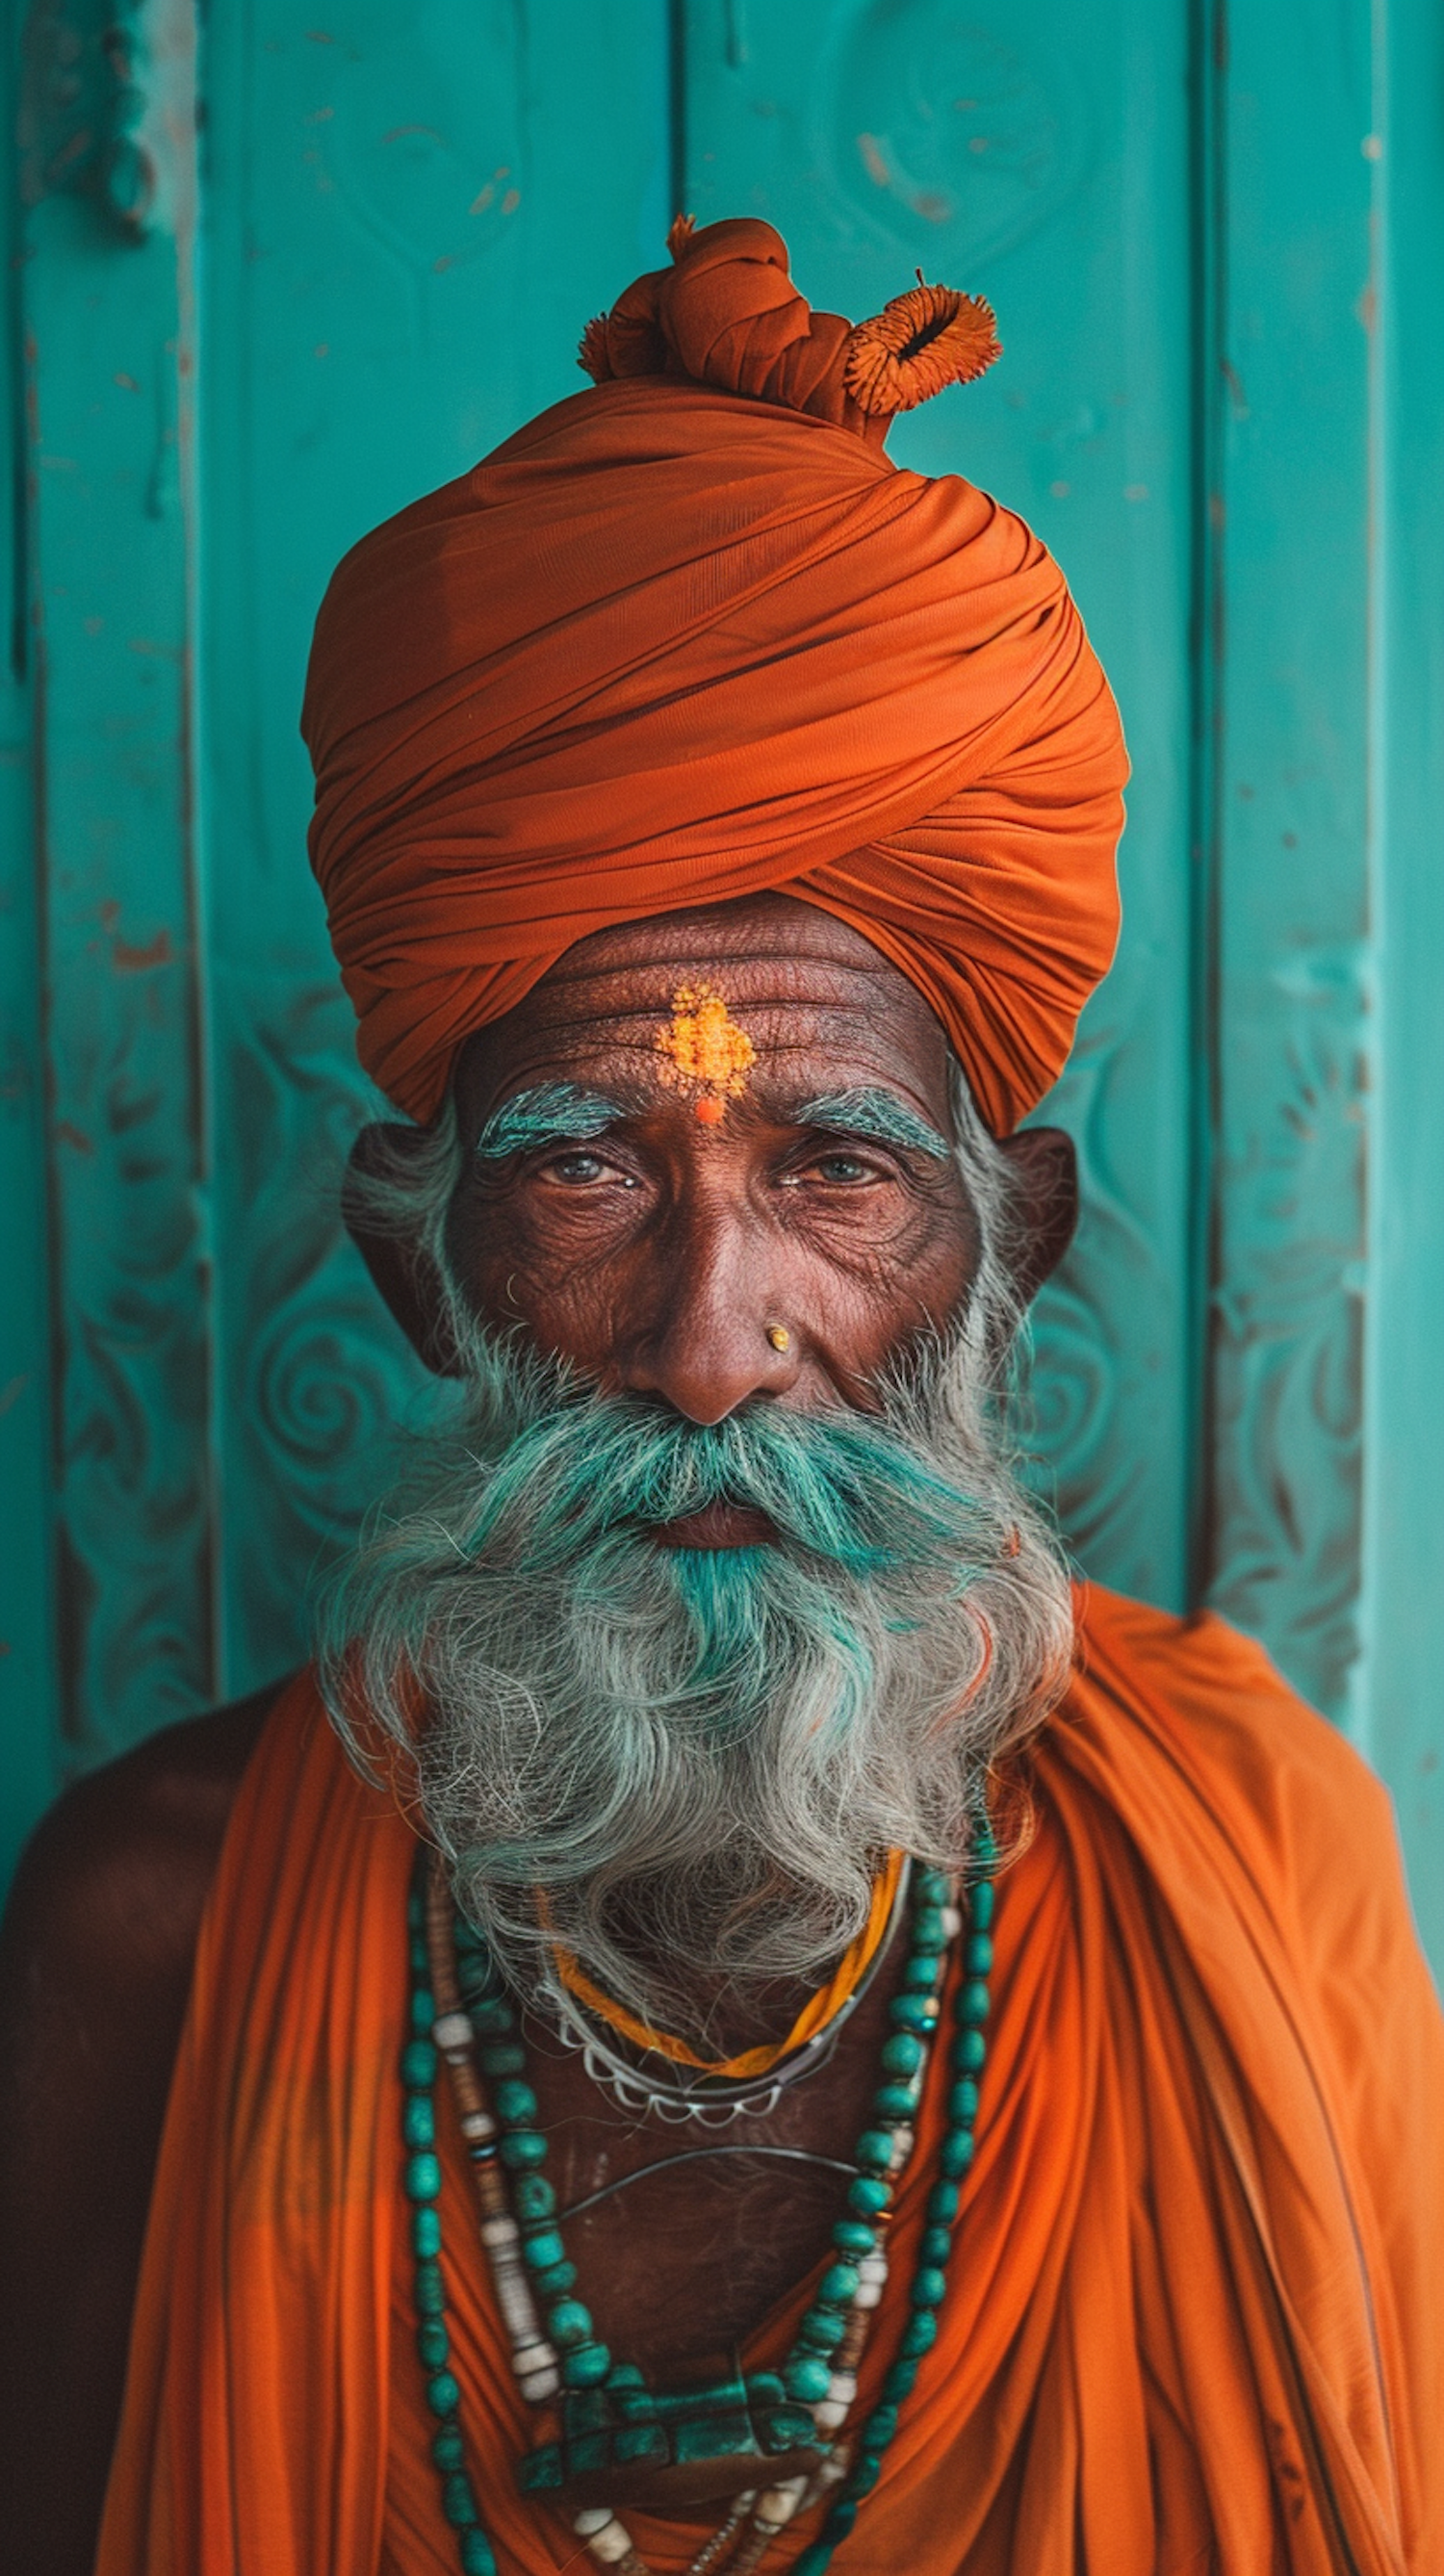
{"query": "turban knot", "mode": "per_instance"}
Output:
(728, 314)
(691, 635)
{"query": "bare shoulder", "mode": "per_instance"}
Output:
(96, 1953)
(113, 1882)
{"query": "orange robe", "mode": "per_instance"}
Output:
(1195, 2317)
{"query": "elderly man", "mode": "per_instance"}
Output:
(734, 2018)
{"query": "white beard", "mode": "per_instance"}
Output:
(697, 1758)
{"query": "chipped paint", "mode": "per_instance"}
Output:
(139, 961)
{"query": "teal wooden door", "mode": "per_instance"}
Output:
(271, 280)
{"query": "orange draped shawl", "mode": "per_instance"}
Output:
(1196, 2313)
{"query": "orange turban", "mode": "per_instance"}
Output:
(691, 635)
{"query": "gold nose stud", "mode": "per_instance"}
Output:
(779, 1336)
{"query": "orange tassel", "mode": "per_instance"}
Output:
(930, 337)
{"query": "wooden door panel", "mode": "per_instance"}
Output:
(1289, 1038)
(109, 343)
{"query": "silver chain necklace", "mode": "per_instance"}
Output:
(707, 2101)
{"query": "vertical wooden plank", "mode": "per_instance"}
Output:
(1292, 966)
(109, 316)
(27, 1674)
(1046, 165)
(1404, 1378)
(411, 216)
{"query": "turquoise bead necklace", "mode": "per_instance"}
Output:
(460, 2012)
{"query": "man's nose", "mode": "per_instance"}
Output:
(715, 1336)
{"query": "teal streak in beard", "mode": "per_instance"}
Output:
(721, 1589)
(737, 1600)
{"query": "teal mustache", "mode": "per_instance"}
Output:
(846, 1488)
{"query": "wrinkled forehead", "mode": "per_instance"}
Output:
(791, 990)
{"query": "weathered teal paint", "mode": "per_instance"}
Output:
(244, 351)
(108, 369)
(1290, 964)
(1401, 1706)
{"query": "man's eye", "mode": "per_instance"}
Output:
(576, 1166)
(841, 1167)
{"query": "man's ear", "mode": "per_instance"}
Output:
(405, 1274)
(1043, 1169)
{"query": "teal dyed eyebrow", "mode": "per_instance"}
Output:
(876, 1113)
(553, 1113)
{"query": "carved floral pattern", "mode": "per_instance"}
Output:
(923, 115)
(1286, 1457)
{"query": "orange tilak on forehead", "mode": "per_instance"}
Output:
(705, 1050)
